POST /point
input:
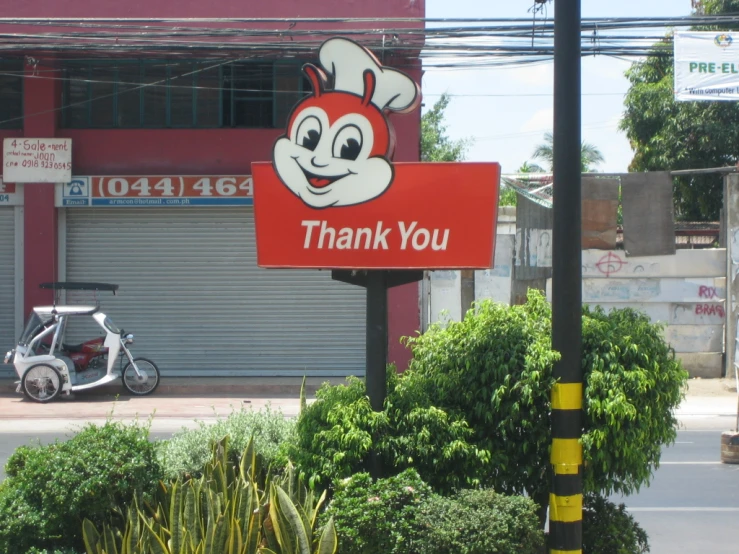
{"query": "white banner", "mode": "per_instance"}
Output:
(706, 66)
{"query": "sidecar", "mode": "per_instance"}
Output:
(44, 365)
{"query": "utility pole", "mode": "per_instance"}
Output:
(566, 498)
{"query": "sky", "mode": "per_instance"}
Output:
(508, 126)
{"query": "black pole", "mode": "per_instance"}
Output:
(377, 336)
(565, 505)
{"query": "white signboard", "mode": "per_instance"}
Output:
(706, 66)
(37, 160)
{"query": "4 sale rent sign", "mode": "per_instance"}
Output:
(434, 216)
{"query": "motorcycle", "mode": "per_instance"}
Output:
(46, 366)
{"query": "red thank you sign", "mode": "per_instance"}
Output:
(434, 216)
(332, 198)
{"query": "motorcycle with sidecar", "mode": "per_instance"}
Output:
(47, 366)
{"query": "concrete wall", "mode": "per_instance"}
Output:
(686, 291)
(443, 297)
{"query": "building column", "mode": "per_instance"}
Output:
(41, 100)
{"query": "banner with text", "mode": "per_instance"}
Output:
(432, 216)
(706, 66)
(156, 191)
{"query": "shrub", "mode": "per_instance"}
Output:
(633, 384)
(479, 521)
(494, 370)
(227, 509)
(187, 451)
(378, 517)
(50, 489)
(610, 529)
(335, 434)
(53, 551)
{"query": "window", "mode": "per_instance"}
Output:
(192, 94)
(11, 94)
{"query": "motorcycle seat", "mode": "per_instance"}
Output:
(72, 347)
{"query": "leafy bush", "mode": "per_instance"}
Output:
(494, 370)
(227, 509)
(633, 383)
(479, 521)
(610, 529)
(53, 551)
(50, 489)
(335, 434)
(378, 517)
(187, 452)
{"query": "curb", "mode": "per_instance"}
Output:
(267, 387)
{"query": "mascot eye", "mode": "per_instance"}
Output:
(309, 133)
(348, 143)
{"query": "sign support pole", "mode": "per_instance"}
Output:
(566, 498)
(377, 282)
(377, 336)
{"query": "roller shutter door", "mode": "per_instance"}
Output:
(197, 303)
(7, 280)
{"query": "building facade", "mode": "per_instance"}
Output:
(164, 128)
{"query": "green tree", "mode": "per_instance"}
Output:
(493, 369)
(669, 135)
(527, 167)
(436, 146)
(590, 156)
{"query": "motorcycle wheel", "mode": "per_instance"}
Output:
(147, 383)
(41, 383)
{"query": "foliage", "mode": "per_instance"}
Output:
(590, 156)
(610, 529)
(436, 146)
(35, 550)
(633, 383)
(336, 433)
(187, 451)
(225, 510)
(494, 370)
(50, 489)
(507, 196)
(378, 517)
(479, 522)
(670, 135)
(527, 167)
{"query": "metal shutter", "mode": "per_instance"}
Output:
(7, 281)
(197, 303)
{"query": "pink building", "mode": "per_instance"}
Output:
(163, 131)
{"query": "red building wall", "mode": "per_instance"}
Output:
(203, 151)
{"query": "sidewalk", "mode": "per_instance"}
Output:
(182, 398)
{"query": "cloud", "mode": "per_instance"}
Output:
(542, 121)
(539, 75)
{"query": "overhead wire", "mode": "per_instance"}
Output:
(458, 44)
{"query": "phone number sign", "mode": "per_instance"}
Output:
(156, 191)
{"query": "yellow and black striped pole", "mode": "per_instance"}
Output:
(565, 498)
(565, 501)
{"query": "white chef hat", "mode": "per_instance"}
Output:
(347, 61)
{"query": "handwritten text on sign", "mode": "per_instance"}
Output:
(159, 190)
(433, 216)
(37, 160)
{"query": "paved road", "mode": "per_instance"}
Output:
(692, 504)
